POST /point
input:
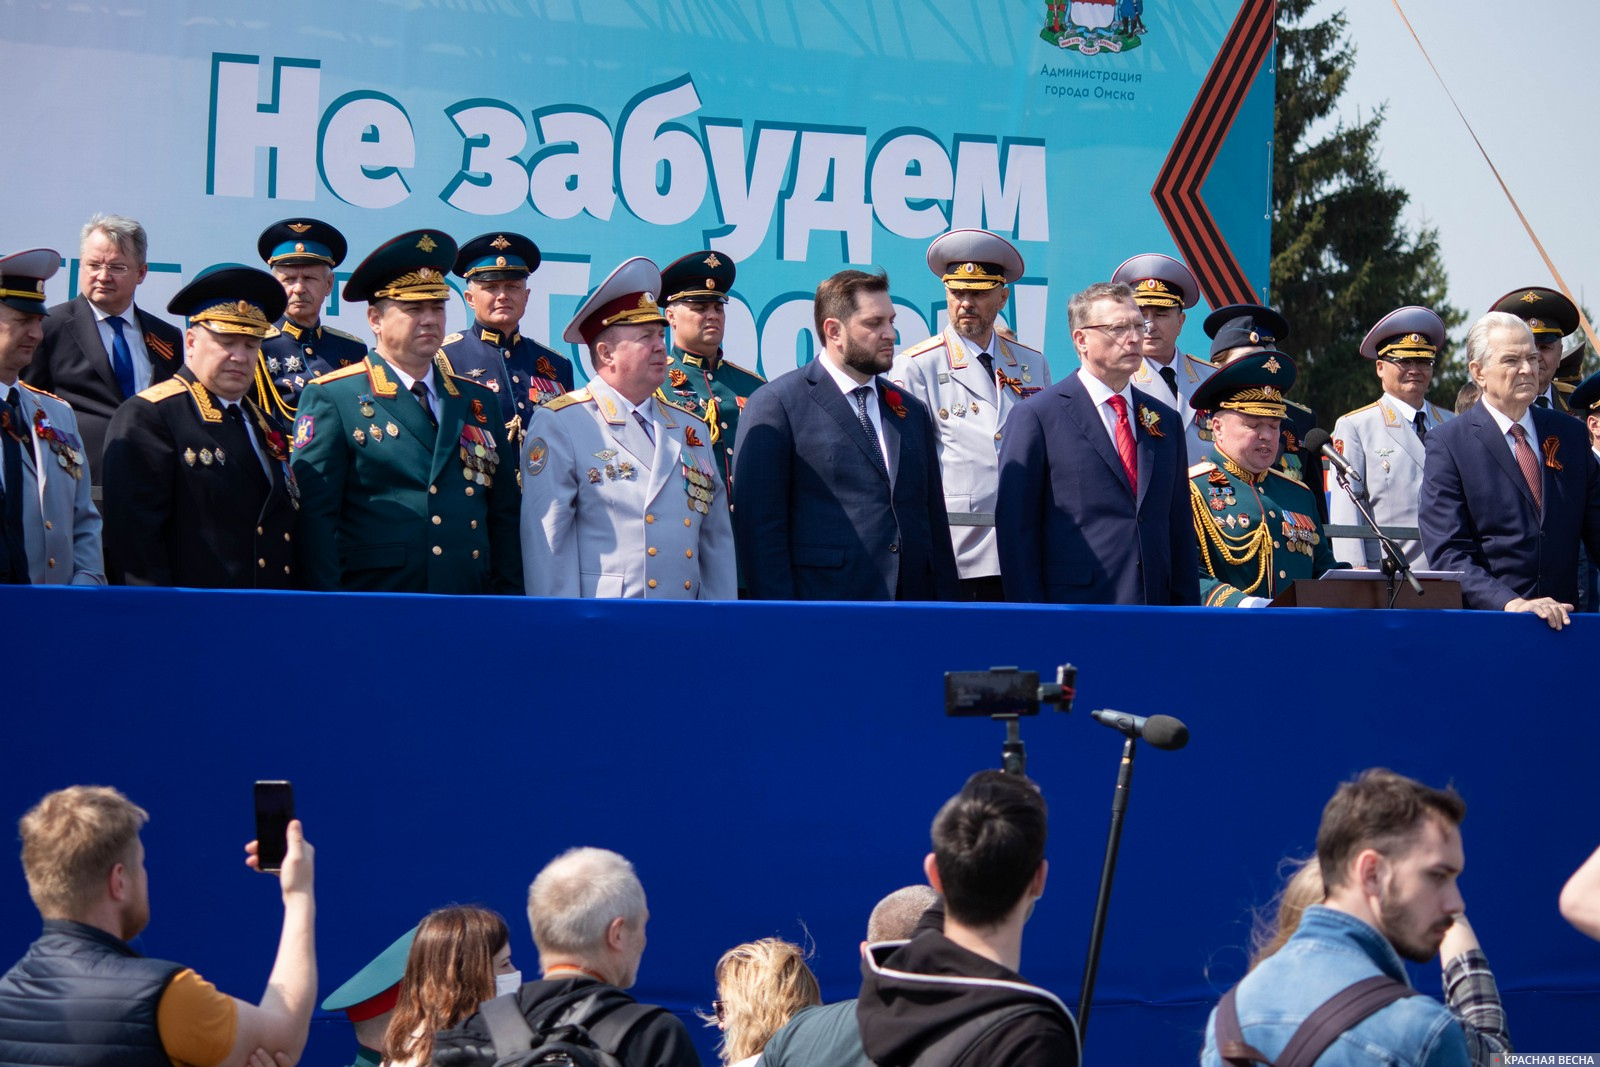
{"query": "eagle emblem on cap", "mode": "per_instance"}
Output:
(427, 244)
(713, 262)
(1530, 297)
(1272, 363)
(501, 243)
(299, 227)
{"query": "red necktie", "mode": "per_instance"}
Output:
(1529, 465)
(1124, 436)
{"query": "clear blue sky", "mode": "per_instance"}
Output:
(1525, 76)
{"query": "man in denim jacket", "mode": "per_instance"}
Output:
(1390, 852)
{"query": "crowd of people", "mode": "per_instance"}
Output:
(260, 447)
(941, 962)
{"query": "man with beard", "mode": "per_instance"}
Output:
(837, 494)
(83, 995)
(972, 379)
(1390, 852)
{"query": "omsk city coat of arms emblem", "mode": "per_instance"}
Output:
(1093, 26)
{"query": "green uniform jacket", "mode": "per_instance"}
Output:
(1258, 533)
(388, 504)
(715, 395)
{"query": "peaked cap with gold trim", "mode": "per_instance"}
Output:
(974, 259)
(299, 242)
(22, 278)
(498, 256)
(626, 297)
(1410, 332)
(703, 275)
(1158, 281)
(1548, 314)
(409, 267)
(1251, 385)
(1244, 326)
(237, 300)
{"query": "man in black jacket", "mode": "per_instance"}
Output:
(588, 914)
(83, 996)
(956, 996)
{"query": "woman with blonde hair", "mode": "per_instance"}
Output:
(761, 985)
(460, 958)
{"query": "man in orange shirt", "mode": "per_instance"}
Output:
(83, 996)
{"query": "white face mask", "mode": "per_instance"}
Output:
(507, 983)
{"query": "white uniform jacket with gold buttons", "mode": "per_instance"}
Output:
(1382, 444)
(607, 514)
(1190, 372)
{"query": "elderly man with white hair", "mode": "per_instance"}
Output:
(1509, 489)
(588, 914)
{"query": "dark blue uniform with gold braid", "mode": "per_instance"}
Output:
(717, 394)
(522, 373)
(292, 355)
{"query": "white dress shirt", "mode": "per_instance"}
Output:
(848, 386)
(1101, 393)
(135, 338)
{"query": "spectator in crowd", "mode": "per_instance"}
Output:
(827, 1036)
(99, 349)
(460, 957)
(1094, 477)
(1580, 897)
(694, 297)
(1389, 849)
(1384, 441)
(939, 993)
(198, 487)
(407, 482)
(760, 986)
(1469, 986)
(1510, 490)
(301, 253)
(368, 999)
(610, 470)
(522, 372)
(588, 914)
(971, 379)
(82, 995)
(1467, 396)
(1164, 288)
(836, 480)
(49, 527)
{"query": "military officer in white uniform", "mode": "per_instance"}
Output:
(1164, 289)
(970, 378)
(44, 478)
(1384, 441)
(620, 491)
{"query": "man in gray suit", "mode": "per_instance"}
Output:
(50, 533)
(620, 492)
(1384, 440)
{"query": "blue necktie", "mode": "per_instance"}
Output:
(121, 357)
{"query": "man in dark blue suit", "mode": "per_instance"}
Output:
(1094, 495)
(1509, 490)
(836, 487)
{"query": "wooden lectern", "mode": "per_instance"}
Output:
(1369, 589)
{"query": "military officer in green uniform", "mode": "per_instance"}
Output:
(694, 297)
(523, 373)
(1258, 527)
(1551, 317)
(369, 997)
(407, 479)
(301, 253)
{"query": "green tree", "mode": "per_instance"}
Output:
(1342, 255)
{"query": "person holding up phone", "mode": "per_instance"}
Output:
(81, 995)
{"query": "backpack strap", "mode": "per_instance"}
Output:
(507, 1028)
(952, 1047)
(1339, 1013)
(612, 1028)
(1230, 1037)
